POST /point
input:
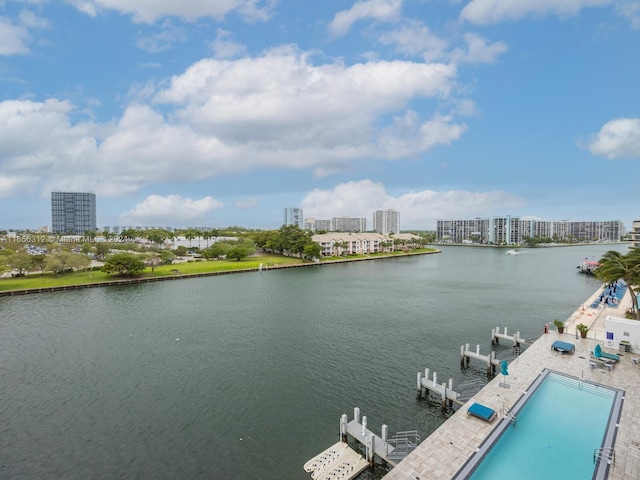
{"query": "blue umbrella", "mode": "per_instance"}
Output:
(597, 351)
(505, 368)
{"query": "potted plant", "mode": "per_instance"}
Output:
(583, 329)
(559, 325)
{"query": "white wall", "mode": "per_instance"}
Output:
(622, 329)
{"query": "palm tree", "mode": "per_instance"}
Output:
(206, 234)
(616, 266)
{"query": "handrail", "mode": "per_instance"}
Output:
(605, 453)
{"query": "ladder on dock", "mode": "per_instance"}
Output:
(607, 454)
(509, 415)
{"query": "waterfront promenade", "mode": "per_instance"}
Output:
(446, 450)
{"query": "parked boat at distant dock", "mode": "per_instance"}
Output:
(588, 266)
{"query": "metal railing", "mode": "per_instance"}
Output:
(403, 443)
(468, 389)
(606, 453)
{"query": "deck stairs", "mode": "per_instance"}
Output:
(403, 444)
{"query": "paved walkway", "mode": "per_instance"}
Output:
(446, 450)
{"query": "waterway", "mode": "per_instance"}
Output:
(245, 376)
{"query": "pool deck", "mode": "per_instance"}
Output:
(446, 450)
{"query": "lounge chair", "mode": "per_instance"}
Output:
(598, 353)
(482, 412)
(563, 347)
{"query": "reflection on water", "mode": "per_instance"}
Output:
(246, 376)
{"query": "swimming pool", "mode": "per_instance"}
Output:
(560, 421)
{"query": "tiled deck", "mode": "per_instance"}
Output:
(446, 450)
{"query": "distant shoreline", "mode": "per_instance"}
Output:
(133, 281)
(548, 245)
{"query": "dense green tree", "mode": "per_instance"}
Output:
(38, 261)
(158, 235)
(65, 261)
(267, 240)
(617, 266)
(238, 252)
(167, 257)
(127, 264)
(86, 248)
(20, 261)
(130, 233)
(181, 250)
(102, 249)
(312, 251)
(216, 250)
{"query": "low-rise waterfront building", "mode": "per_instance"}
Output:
(335, 244)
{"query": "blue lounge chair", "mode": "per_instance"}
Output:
(598, 353)
(482, 412)
(563, 347)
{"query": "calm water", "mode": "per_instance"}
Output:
(246, 376)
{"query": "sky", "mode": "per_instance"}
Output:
(224, 112)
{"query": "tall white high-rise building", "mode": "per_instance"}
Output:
(293, 216)
(386, 221)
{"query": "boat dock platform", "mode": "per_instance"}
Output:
(339, 461)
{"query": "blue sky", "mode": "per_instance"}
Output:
(223, 112)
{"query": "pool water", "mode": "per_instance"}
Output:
(555, 435)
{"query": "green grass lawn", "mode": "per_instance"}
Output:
(35, 280)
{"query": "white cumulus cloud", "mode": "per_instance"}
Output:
(478, 50)
(224, 116)
(485, 12)
(618, 138)
(172, 209)
(15, 35)
(294, 114)
(148, 11)
(378, 10)
(15, 185)
(413, 38)
(224, 45)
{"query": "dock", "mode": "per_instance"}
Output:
(339, 461)
(445, 391)
(516, 339)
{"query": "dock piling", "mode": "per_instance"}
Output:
(343, 427)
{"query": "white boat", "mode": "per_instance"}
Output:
(512, 252)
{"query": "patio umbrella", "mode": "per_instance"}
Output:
(597, 351)
(504, 366)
